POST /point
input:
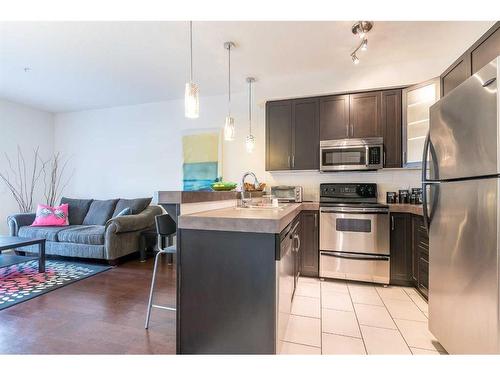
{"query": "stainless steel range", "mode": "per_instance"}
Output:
(354, 233)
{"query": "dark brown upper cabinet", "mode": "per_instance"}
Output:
(292, 134)
(278, 135)
(487, 49)
(350, 116)
(455, 74)
(334, 117)
(305, 134)
(477, 56)
(390, 121)
(364, 114)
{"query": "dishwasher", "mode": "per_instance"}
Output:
(286, 279)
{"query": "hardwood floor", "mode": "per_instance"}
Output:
(103, 314)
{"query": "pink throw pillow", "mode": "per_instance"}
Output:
(51, 216)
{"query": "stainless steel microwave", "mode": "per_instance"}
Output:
(352, 154)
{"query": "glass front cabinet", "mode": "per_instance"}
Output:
(417, 100)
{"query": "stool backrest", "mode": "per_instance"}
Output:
(165, 225)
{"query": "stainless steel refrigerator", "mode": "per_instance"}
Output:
(461, 182)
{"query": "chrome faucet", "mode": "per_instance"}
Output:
(255, 183)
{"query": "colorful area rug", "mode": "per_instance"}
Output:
(21, 282)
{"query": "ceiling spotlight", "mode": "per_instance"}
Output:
(355, 59)
(364, 45)
(360, 28)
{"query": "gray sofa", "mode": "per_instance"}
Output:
(95, 230)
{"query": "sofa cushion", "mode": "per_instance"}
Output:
(78, 209)
(136, 205)
(83, 234)
(100, 212)
(49, 233)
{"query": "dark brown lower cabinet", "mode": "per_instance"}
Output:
(409, 252)
(309, 247)
(401, 247)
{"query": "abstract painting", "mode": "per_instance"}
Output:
(201, 158)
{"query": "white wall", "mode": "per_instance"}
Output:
(135, 150)
(29, 128)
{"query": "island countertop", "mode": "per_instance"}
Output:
(237, 219)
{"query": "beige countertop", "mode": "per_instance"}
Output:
(238, 219)
(415, 209)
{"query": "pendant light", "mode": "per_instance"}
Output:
(250, 139)
(191, 93)
(229, 130)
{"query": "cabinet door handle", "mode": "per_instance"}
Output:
(384, 159)
(352, 130)
(315, 220)
(288, 161)
(293, 161)
(347, 130)
(392, 222)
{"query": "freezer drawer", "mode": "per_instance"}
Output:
(463, 266)
(360, 267)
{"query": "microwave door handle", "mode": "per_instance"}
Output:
(367, 156)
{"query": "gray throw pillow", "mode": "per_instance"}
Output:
(136, 205)
(125, 212)
(100, 212)
(78, 209)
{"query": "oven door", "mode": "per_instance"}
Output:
(344, 158)
(354, 230)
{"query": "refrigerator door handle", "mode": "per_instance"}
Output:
(424, 156)
(489, 82)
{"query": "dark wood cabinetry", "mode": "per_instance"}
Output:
(292, 134)
(334, 117)
(409, 252)
(391, 124)
(420, 255)
(401, 249)
(278, 134)
(309, 244)
(305, 134)
(364, 114)
(455, 74)
(476, 57)
(295, 127)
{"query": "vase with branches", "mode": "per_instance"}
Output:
(22, 178)
(54, 179)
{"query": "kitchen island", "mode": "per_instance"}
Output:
(236, 278)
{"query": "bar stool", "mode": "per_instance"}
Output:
(166, 228)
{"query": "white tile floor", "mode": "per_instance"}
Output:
(344, 317)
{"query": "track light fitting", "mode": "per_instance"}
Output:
(360, 29)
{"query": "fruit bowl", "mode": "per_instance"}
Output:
(223, 186)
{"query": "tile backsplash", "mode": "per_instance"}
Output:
(386, 180)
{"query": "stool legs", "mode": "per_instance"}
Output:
(150, 303)
(151, 292)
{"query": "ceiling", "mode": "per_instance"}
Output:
(83, 65)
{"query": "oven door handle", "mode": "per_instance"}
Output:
(337, 254)
(353, 210)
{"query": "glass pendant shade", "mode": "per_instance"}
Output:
(191, 100)
(250, 143)
(229, 130)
